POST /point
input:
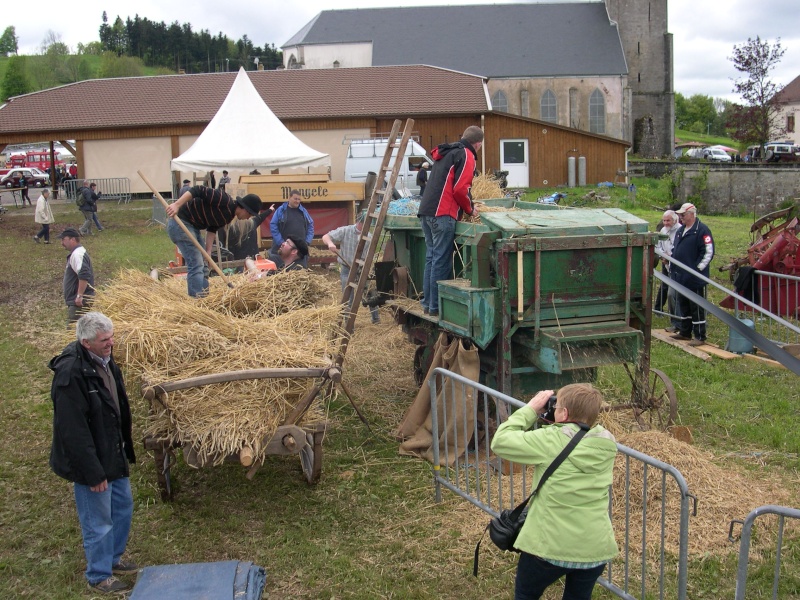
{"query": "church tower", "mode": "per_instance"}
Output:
(647, 45)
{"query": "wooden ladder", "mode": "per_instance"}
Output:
(371, 232)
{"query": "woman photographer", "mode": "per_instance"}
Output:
(568, 529)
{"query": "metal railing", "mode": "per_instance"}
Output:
(109, 188)
(744, 545)
(159, 212)
(778, 292)
(493, 484)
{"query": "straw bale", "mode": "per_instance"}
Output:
(288, 320)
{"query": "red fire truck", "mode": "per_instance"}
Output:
(35, 158)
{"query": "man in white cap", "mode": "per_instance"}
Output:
(694, 247)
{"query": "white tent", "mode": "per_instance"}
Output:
(245, 134)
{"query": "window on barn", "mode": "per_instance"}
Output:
(790, 124)
(499, 101)
(597, 112)
(548, 107)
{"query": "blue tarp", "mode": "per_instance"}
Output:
(228, 580)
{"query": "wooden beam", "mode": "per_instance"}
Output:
(689, 349)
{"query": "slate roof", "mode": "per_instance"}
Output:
(506, 40)
(291, 94)
(790, 93)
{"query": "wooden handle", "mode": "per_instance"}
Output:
(246, 456)
(189, 234)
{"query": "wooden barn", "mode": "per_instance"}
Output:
(119, 126)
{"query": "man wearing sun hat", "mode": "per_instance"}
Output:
(203, 208)
(694, 247)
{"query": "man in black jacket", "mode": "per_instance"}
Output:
(93, 446)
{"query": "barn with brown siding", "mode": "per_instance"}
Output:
(123, 125)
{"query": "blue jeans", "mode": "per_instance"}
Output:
(439, 235)
(534, 575)
(105, 523)
(196, 268)
(97, 222)
(344, 274)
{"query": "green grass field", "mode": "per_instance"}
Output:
(370, 528)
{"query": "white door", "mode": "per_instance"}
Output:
(514, 159)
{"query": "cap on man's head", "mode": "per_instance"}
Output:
(186, 181)
(300, 244)
(70, 232)
(688, 207)
(251, 203)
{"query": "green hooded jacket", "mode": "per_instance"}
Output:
(568, 519)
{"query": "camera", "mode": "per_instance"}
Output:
(549, 413)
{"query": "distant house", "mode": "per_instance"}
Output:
(600, 67)
(789, 100)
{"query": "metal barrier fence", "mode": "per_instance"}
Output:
(109, 188)
(159, 212)
(493, 484)
(744, 545)
(779, 298)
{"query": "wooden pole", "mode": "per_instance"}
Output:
(205, 254)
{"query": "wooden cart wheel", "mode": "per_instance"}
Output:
(163, 458)
(311, 456)
(660, 406)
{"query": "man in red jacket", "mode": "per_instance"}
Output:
(446, 194)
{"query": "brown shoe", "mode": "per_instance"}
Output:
(125, 567)
(671, 330)
(112, 585)
(696, 343)
(678, 336)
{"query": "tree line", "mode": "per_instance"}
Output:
(129, 48)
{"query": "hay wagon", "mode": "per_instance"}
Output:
(548, 294)
(290, 438)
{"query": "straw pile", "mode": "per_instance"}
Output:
(284, 321)
(485, 187)
(718, 489)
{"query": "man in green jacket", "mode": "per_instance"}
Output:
(568, 530)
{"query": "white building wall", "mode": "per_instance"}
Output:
(124, 157)
(786, 110)
(324, 55)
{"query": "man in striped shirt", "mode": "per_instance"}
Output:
(203, 208)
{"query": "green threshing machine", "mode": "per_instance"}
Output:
(548, 294)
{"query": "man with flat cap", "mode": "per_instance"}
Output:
(203, 208)
(694, 247)
(291, 253)
(184, 188)
(78, 283)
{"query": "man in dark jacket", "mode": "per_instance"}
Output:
(446, 195)
(87, 203)
(202, 208)
(694, 247)
(93, 446)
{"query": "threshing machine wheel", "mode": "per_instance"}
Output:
(659, 407)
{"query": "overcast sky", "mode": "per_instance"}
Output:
(704, 31)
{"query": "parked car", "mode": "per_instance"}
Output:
(781, 152)
(35, 177)
(716, 155)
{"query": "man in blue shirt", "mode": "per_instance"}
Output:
(291, 219)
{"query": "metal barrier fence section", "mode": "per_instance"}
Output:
(779, 295)
(775, 314)
(653, 559)
(159, 212)
(109, 188)
(782, 513)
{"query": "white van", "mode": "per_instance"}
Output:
(365, 156)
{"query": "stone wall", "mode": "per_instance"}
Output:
(758, 190)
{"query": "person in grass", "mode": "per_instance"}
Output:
(93, 447)
(43, 216)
